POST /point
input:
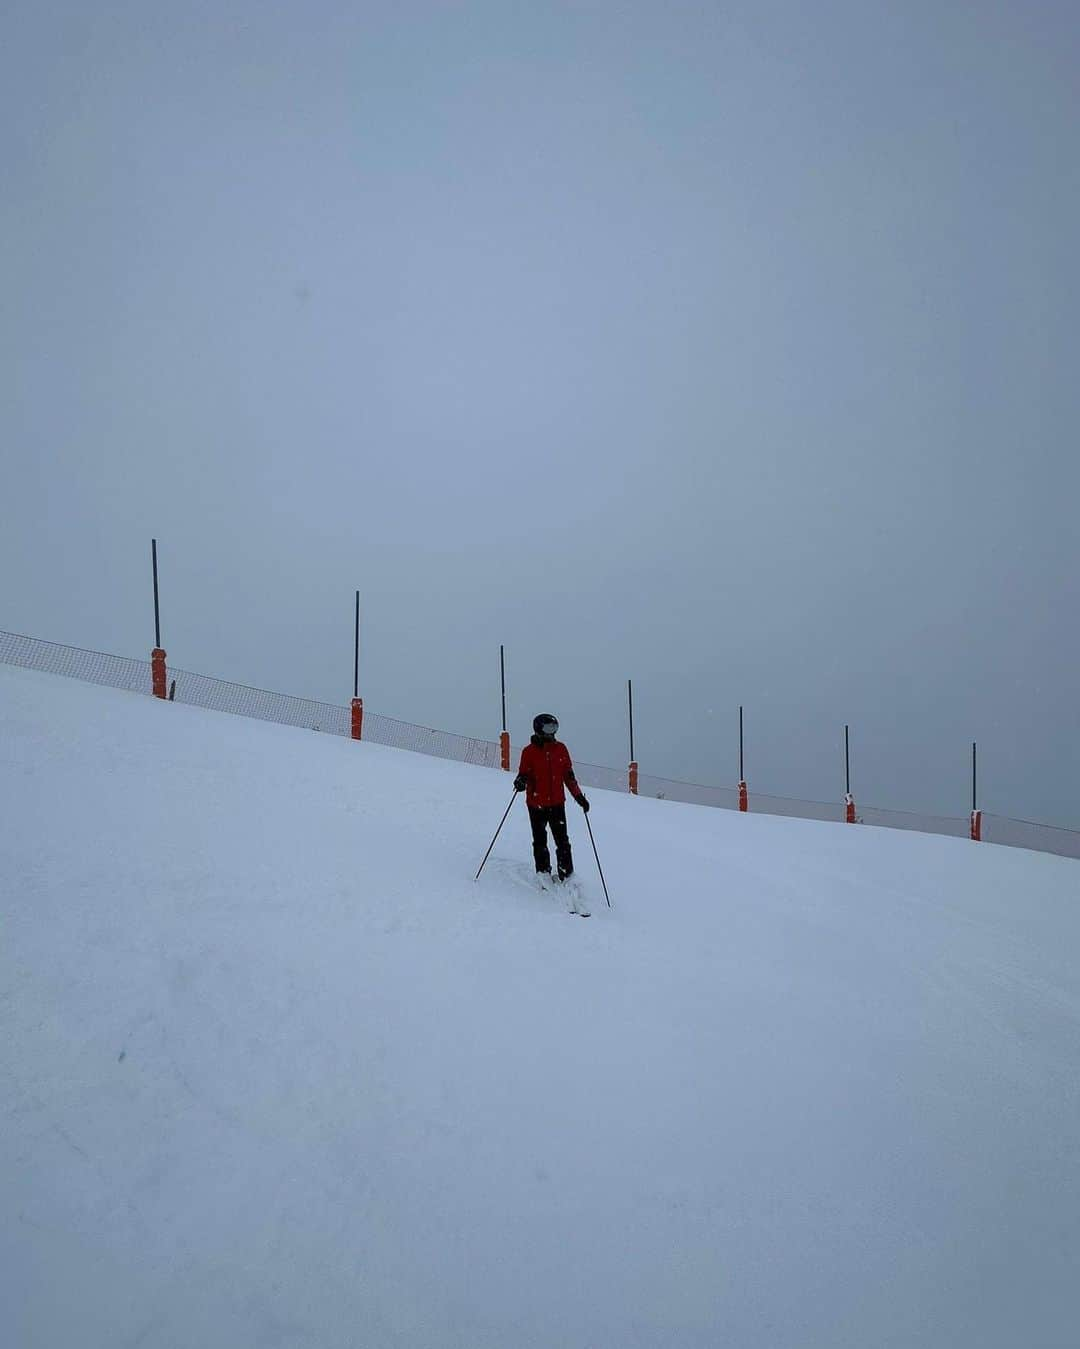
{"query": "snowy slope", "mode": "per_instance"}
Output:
(276, 1072)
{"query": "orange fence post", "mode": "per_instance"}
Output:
(357, 701)
(849, 800)
(632, 771)
(976, 825)
(744, 803)
(504, 737)
(157, 672)
(158, 678)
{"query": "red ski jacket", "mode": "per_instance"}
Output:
(546, 766)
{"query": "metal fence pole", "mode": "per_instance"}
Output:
(157, 605)
(356, 729)
(633, 769)
(158, 676)
(504, 738)
(849, 800)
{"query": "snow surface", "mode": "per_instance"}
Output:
(277, 1072)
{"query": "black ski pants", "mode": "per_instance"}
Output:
(555, 816)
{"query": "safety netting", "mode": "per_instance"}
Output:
(198, 690)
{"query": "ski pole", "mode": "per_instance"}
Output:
(497, 832)
(597, 856)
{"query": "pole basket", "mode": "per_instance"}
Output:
(632, 774)
(849, 808)
(504, 751)
(976, 826)
(357, 718)
(158, 677)
(744, 800)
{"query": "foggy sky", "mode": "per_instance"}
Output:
(728, 347)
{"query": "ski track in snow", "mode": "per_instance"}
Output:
(278, 1072)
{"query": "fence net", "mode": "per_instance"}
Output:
(94, 667)
(185, 686)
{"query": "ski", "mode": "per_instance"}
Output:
(577, 906)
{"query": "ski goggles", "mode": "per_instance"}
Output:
(549, 727)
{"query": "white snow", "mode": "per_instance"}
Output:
(277, 1072)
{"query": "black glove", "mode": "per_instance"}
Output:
(584, 804)
(520, 782)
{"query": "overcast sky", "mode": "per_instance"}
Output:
(731, 347)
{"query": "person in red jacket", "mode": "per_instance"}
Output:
(544, 771)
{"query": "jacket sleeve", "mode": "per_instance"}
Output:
(570, 780)
(524, 767)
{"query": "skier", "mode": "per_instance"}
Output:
(544, 770)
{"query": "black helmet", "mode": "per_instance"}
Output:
(546, 724)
